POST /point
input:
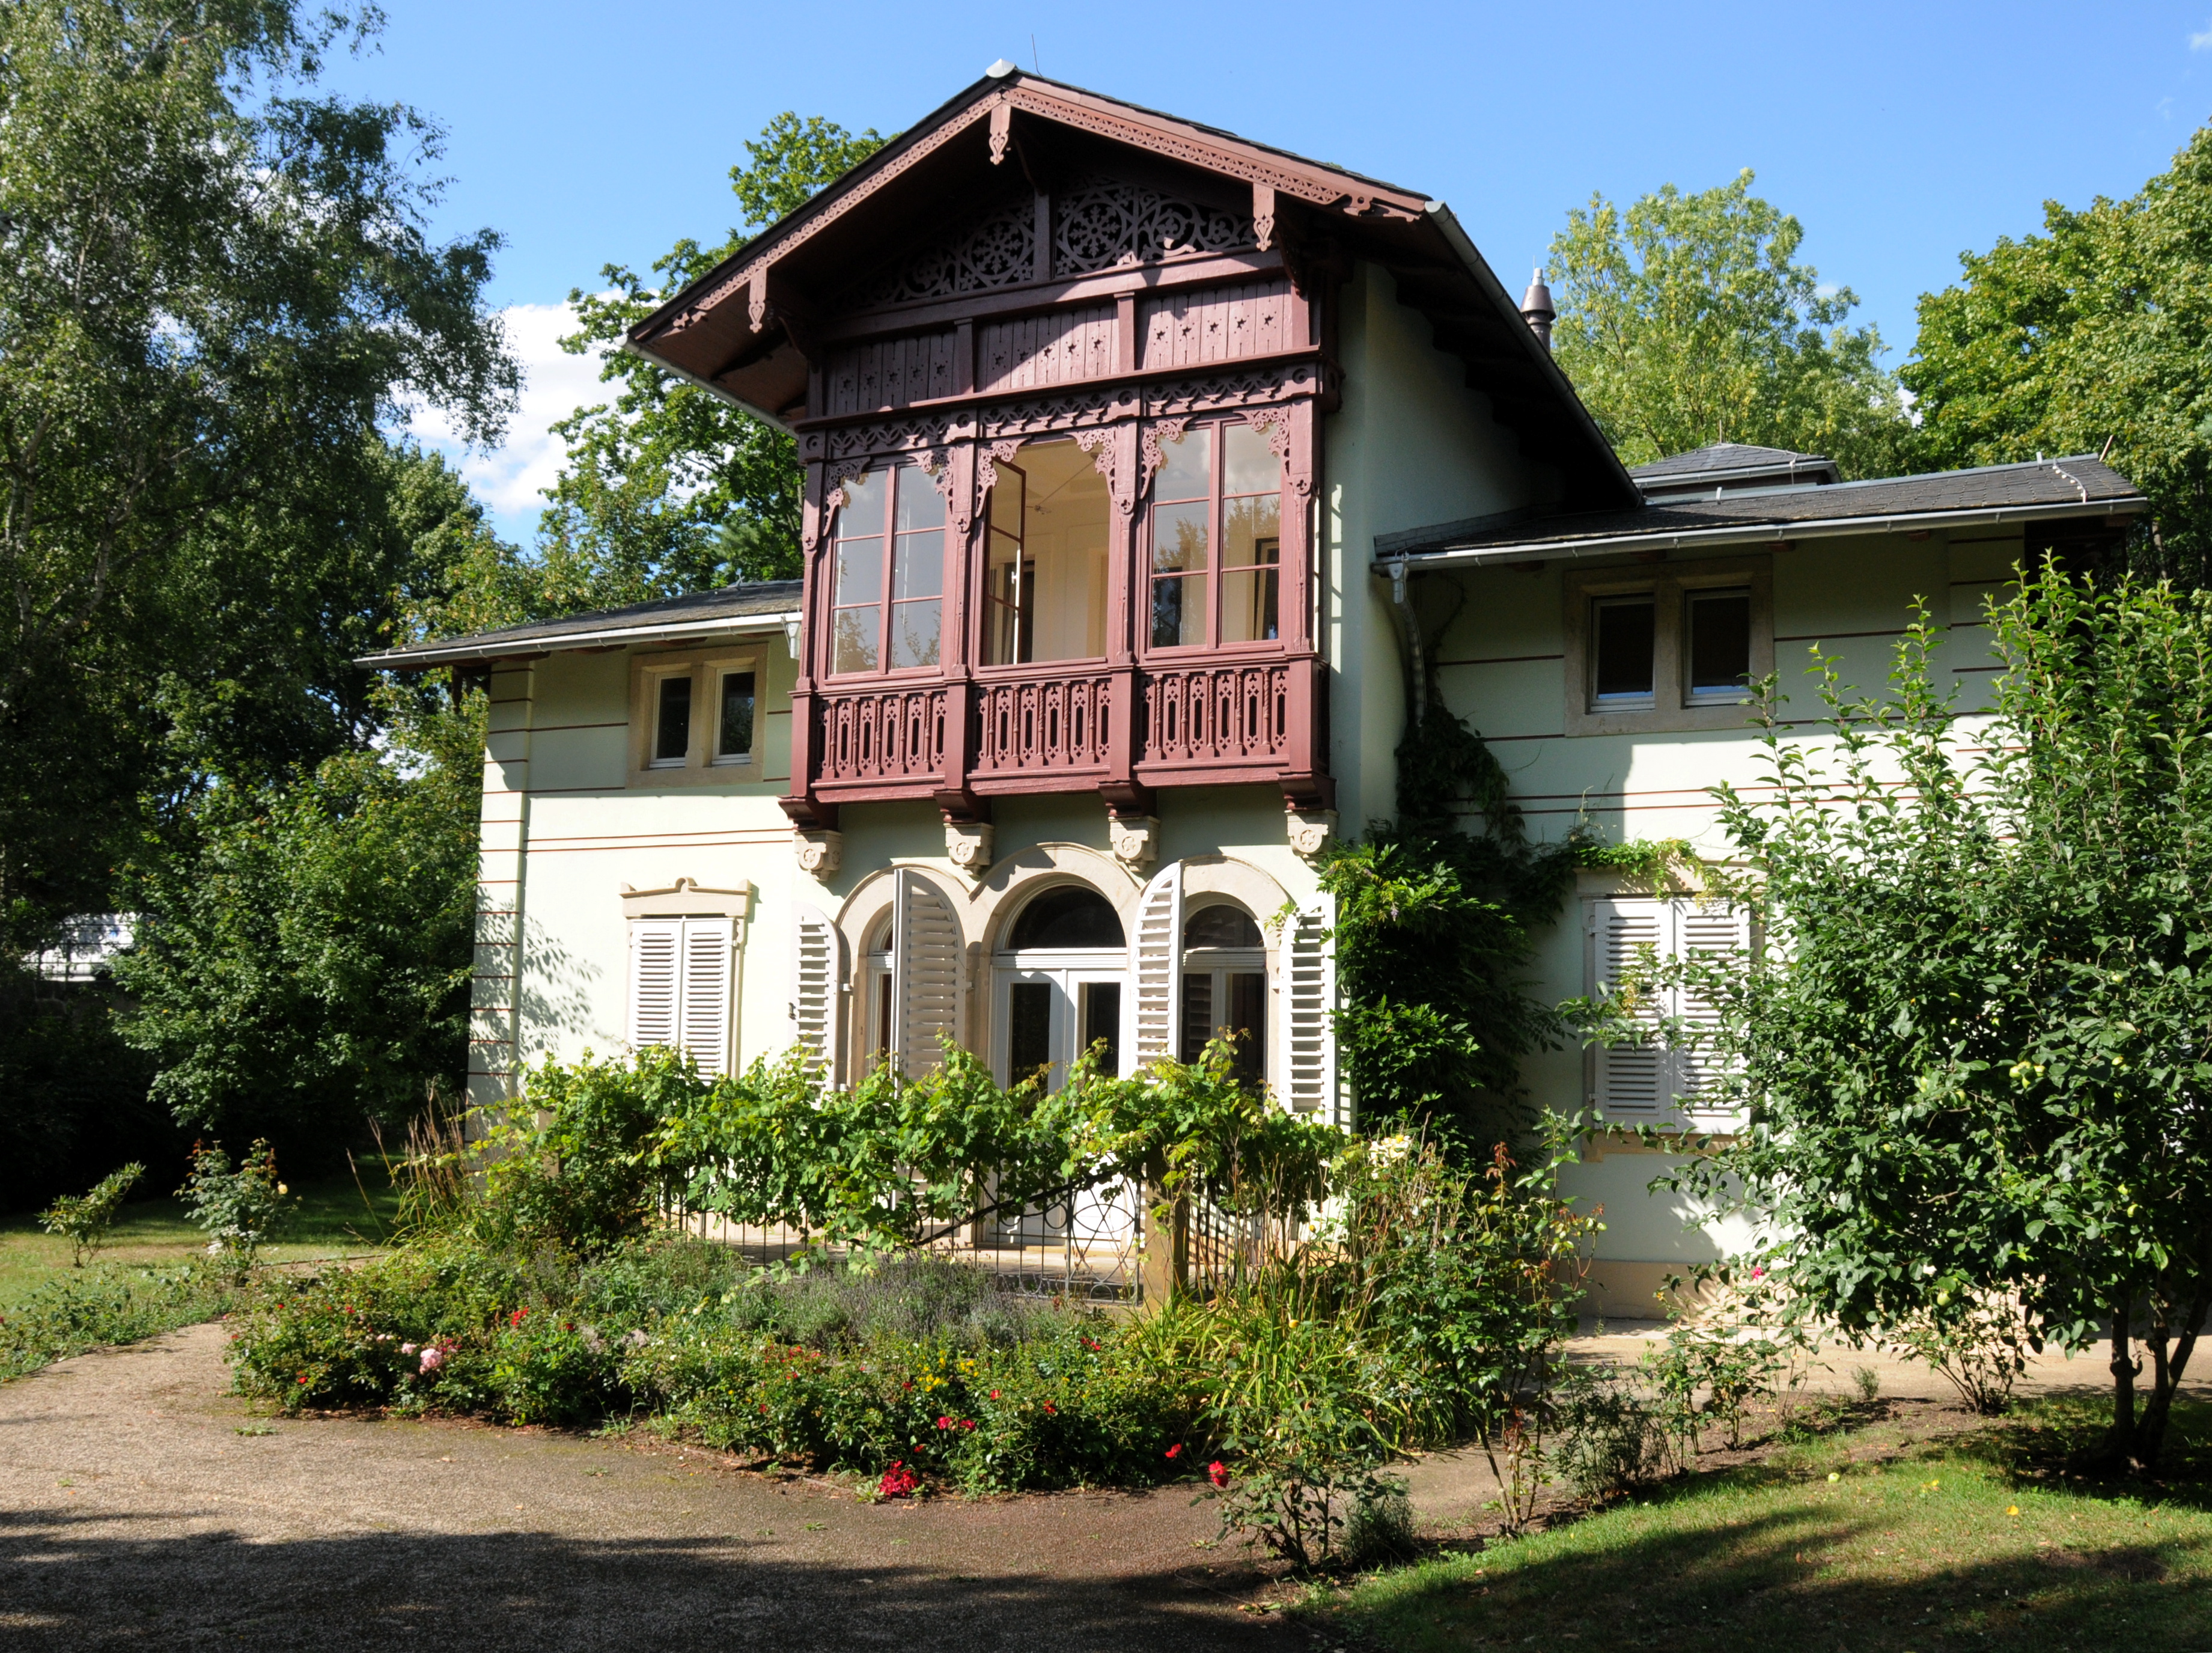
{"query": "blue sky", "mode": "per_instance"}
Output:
(1899, 134)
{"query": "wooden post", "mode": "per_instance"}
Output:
(1166, 1272)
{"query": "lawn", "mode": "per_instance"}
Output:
(338, 1218)
(1862, 1541)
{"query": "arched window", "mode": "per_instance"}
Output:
(1224, 987)
(1067, 917)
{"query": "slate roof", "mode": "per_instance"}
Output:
(703, 613)
(2075, 486)
(1721, 456)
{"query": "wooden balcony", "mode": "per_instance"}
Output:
(1118, 730)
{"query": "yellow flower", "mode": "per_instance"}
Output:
(2011, 1510)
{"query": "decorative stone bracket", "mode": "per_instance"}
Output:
(1310, 830)
(820, 853)
(968, 846)
(1135, 839)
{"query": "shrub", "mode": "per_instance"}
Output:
(1603, 1434)
(1978, 1340)
(241, 1209)
(84, 1219)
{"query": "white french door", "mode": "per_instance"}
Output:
(1047, 1009)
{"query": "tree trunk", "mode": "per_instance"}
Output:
(2167, 1374)
(2119, 1448)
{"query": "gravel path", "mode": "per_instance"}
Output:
(136, 1510)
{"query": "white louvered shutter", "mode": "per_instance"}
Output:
(816, 973)
(1308, 1052)
(1630, 1080)
(656, 947)
(1158, 952)
(708, 964)
(1701, 930)
(925, 960)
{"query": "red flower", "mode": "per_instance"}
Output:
(303, 1377)
(1218, 1472)
(967, 1422)
(944, 1423)
(994, 1395)
(1176, 1450)
(898, 1482)
(1053, 1410)
(516, 1318)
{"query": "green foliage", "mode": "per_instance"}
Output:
(304, 962)
(1434, 927)
(240, 1208)
(2090, 337)
(76, 1095)
(1605, 1434)
(1975, 1047)
(1978, 1340)
(84, 1219)
(109, 1303)
(215, 286)
(1685, 322)
(667, 488)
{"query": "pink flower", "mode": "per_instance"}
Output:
(1218, 1472)
(406, 1348)
(1758, 1270)
(432, 1359)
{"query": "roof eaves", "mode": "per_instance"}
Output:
(501, 646)
(1768, 532)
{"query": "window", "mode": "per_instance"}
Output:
(695, 718)
(888, 579)
(1719, 651)
(1225, 987)
(733, 727)
(1045, 586)
(1651, 1081)
(911, 983)
(671, 728)
(1216, 538)
(1671, 648)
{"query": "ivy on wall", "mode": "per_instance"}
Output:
(1439, 916)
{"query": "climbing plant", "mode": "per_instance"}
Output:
(1436, 926)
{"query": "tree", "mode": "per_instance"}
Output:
(668, 488)
(213, 288)
(1975, 1050)
(307, 931)
(1684, 321)
(2091, 337)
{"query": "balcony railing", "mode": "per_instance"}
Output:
(884, 734)
(1211, 714)
(1060, 725)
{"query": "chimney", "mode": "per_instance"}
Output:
(1536, 308)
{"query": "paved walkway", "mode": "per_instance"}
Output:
(136, 1512)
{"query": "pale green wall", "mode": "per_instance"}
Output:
(1500, 667)
(1410, 447)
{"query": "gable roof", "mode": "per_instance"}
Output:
(740, 331)
(2078, 486)
(764, 606)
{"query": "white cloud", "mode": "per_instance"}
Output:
(2201, 42)
(555, 384)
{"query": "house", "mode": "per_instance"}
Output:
(1148, 470)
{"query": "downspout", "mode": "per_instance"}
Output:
(1410, 629)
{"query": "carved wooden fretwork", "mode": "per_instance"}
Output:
(998, 250)
(1273, 423)
(1263, 215)
(1321, 190)
(1217, 391)
(1106, 454)
(987, 463)
(841, 203)
(1036, 418)
(890, 436)
(1148, 447)
(1104, 223)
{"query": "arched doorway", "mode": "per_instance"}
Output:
(1057, 986)
(1057, 990)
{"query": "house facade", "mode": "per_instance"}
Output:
(1151, 474)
